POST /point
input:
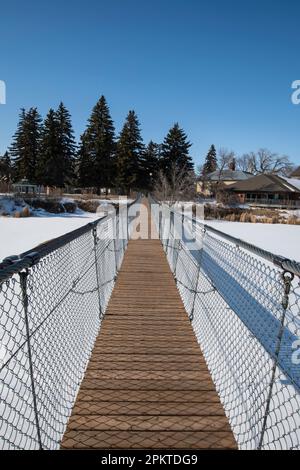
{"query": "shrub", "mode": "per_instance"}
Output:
(25, 212)
(52, 205)
(17, 215)
(90, 205)
(70, 207)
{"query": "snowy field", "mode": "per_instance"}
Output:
(280, 239)
(19, 235)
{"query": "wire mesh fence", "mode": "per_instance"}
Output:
(244, 306)
(52, 302)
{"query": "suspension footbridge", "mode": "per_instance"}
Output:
(109, 340)
(147, 384)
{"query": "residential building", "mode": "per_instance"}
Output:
(268, 190)
(220, 178)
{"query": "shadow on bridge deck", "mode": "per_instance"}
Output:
(147, 385)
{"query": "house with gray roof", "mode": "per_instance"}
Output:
(221, 178)
(228, 176)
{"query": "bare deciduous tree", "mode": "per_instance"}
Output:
(265, 161)
(243, 163)
(178, 186)
(225, 157)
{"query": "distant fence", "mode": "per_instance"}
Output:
(244, 306)
(52, 301)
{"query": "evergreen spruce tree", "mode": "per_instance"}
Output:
(5, 168)
(17, 150)
(175, 152)
(99, 146)
(25, 146)
(85, 167)
(67, 145)
(129, 152)
(211, 162)
(51, 166)
(149, 166)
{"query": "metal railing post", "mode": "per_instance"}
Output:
(287, 281)
(123, 231)
(160, 224)
(115, 244)
(171, 225)
(23, 282)
(127, 226)
(97, 274)
(176, 259)
(191, 315)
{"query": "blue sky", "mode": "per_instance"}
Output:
(222, 68)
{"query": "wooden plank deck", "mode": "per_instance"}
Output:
(147, 385)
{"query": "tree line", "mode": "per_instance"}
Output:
(262, 161)
(46, 152)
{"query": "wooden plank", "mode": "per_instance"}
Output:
(187, 359)
(148, 384)
(148, 408)
(148, 374)
(168, 396)
(148, 423)
(148, 350)
(126, 366)
(148, 440)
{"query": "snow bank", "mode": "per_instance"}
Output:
(280, 239)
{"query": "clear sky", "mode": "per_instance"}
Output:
(222, 68)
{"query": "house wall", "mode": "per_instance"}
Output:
(209, 186)
(241, 198)
(272, 197)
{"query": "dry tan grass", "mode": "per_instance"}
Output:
(25, 212)
(262, 216)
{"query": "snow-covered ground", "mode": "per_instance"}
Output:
(280, 239)
(19, 235)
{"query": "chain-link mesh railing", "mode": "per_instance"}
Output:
(244, 305)
(52, 301)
